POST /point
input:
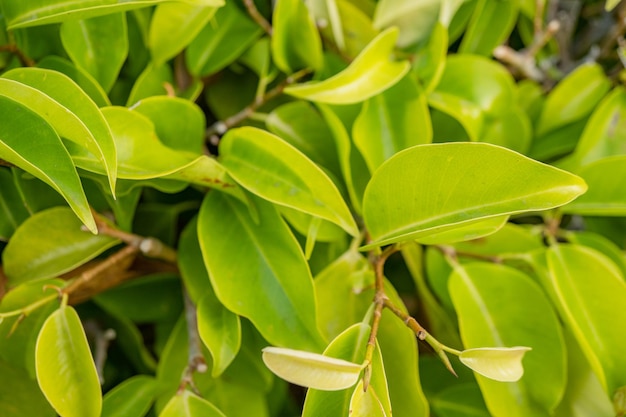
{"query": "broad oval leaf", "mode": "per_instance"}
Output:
(188, 404)
(296, 43)
(40, 12)
(132, 397)
(370, 73)
(99, 45)
(273, 169)
(592, 321)
(66, 372)
(312, 369)
(485, 297)
(365, 403)
(430, 189)
(68, 94)
(258, 270)
(49, 160)
(500, 364)
(48, 244)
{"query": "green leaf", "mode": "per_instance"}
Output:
(502, 364)
(99, 45)
(389, 122)
(12, 210)
(21, 396)
(132, 397)
(273, 169)
(312, 370)
(486, 300)
(187, 404)
(65, 369)
(64, 105)
(222, 41)
(258, 270)
(453, 184)
(611, 4)
(219, 329)
(174, 26)
(573, 98)
(365, 403)
(464, 400)
(577, 296)
(296, 43)
(41, 12)
(498, 16)
(49, 160)
(605, 179)
(430, 58)
(370, 73)
(48, 244)
(415, 19)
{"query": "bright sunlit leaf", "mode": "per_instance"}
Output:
(501, 364)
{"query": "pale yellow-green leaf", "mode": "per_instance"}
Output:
(372, 72)
(501, 364)
(365, 403)
(311, 369)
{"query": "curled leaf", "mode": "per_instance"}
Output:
(501, 364)
(365, 403)
(311, 369)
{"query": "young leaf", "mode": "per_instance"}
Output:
(47, 160)
(570, 267)
(430, 189)
(188, 404)
(296, 43)
(68, 94)
(311, 369)
(99, 45)
(258, 270)
(132, 397)
(66, 372)
(500, 364)
(40, 12)
(370, 73)
(365, 403)
(273, 169)
(48, 244)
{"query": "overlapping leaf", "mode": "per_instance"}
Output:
(187, 404)
(132, 397)
(430, 189)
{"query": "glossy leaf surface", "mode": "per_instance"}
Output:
(369, 74)
(50, 243)
(188, 404)
(453, 184)
(66, 372)
(365, 403)
(49, 161)
(500, 364)
(584, 305)
(499, 17)
(132, 397)
(258, 270)
(271, 168)
(312, 369)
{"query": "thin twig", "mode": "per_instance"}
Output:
(26, 61)
(195, 361)
(6, 164)
(258, 17)
(451, 253)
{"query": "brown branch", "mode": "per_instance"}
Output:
(26, 61)
(451, 253)
(196, 361)
(258, 17)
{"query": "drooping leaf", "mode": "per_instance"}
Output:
(219, 43)
(271, 168)
(370, 73)
(41, 12)
(90, 131)
(585, 304)
(573, 98)
(312, 369)
(174, 25)
(365, 403)
(49, 160)
(415, 19)
(99, 45)
(498, 16)
(389, 122)
(48, 244)
(132, 397)
(258, 270)
(296, 43)
(453, 184)
(66, 372)
(187, 404)
(484, 296)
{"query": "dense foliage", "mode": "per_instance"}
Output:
(205, 204)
